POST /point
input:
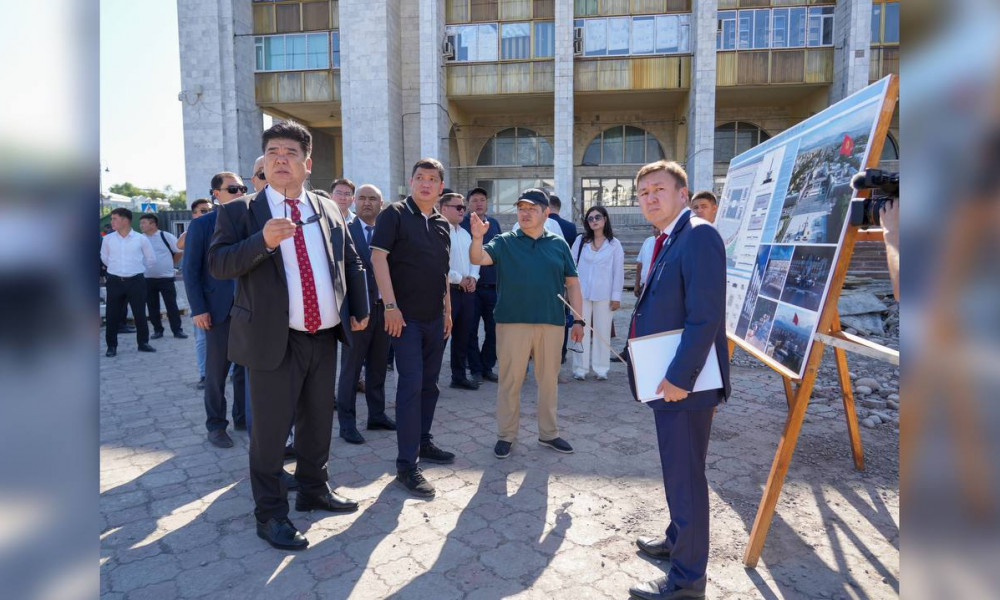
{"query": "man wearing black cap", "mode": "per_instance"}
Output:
(483, 359)
(533, 267)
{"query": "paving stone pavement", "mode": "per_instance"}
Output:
(176, 513)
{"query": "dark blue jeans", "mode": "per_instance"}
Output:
(419, 350)
(483, 359)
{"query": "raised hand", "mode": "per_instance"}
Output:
(477, 226)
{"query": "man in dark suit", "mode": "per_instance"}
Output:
(300, 288)
(685, 289)
(569, 233)
(210, 300)
(482, 359)
(370, 346)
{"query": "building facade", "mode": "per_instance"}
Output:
(508, 94)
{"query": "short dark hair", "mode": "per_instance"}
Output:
(588, 233)
(447, 195)
(122, 212)
(288, 130)
(343, 181)
(555, 202)
(428, 163)
(477, 190)
(198, 202)
(323, 193)
(706, 194)
(150, 217)
(221, 176)
(671, 167)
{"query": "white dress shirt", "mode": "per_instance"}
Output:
(645, 257)
(126, 256)
(602, 273)
(313, 232)
(164, 266)
(459, 265)
(550, 226)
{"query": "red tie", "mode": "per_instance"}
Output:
(310, 305)
(652, 261)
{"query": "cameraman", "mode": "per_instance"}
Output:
(889, 216)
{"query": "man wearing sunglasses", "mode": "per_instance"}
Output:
(258, 180)
(300, 288)
(462, 278)
(210, 300)
(199, 208)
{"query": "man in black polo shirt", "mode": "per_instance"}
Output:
(482, 360)
(410, 254)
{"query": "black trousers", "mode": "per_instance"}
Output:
(216, 371)
(463, 306)
(122, 291)
(155, 287)
(370, 348)
(483, 359)
(301, 387)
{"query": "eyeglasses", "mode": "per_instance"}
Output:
(458, 207)
(236, 189)
(260, 176)
(342, 193)
(313, 219)
(595, 218)
(203, 211)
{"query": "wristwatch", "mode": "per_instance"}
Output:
(390, 306)
(579, 322)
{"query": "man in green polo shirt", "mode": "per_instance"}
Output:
(533, 267)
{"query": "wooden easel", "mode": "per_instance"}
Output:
(799, 390)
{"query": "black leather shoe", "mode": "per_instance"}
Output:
(662, 589)
(156, 335)
(382, 422)
(329, 501)
(476, 378)
(127, 329)
(112, 351)
(490, 376)
(146, 348)
(657, 548)
(291, 483)
(220, 438)
(352, 436)
(181, 335)
(463, 384)
(413, 480)
(280, 533)
(558, 444)
(432, 453)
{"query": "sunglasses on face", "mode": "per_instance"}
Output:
(458, 207)
(235, 189)
(595, 218)
(260, 176)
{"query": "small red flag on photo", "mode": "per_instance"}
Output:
(847, 146)
(795, 319)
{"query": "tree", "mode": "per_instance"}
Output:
(178, 200)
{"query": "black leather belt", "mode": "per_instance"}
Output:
(124, 278)
(457, 288)
(486, 286)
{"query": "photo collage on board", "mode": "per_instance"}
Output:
(782, 218)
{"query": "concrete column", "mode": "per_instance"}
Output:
(434, 122)
(370, 94)
(851, 47)
(222, 124)
(563, 109)
(701, 99)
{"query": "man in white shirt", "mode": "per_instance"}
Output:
(127, 254)
(642, 262)
(704, 204)
(342, 192)
(462, 278)
(160, 277)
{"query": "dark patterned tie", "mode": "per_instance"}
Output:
(368, 234)
(310, 305)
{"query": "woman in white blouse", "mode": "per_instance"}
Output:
(600, 261)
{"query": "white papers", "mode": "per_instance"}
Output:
(651, 356)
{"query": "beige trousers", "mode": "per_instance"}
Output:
(516, 342)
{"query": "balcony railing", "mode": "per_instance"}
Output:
(632, 73)
(488, 79)
(804, 65)
(297, 86)
(883, 62)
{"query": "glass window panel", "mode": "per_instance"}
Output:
(487, 184)
(545, 154)
(274, 53)
(595, 37)
(796, 27)
(827, 31)
(613, 148)
(505, 145)
(545, 40)
(618, 35)
(666, 34)
(527, 151)
(507, 192)
(745, 139)
(891, 23)
(593, 154)
(779, 30)
(815, 29)
(487, 47)
(335, 46)
(635, 146)
(653, 150)
(684, 27)
(258, 54)
(643, 35)
(486, 155)
(876, 23)
(319, 51)
(465, 42)
(761, 28)
(726, 39)
(745, 31)
(725, 143)
(515, 41)
(295, 51)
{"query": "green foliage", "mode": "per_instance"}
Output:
(177, 199)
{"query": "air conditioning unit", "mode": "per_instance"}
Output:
(577, 47)
(577, 33)
(448, 47)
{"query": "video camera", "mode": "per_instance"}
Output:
(885, 190)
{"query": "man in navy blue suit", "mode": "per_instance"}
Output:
(685, 289)
(370, 346)
(210, 300)
(483, 359)
(569, 233)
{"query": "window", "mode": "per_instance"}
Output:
(890, 151)
(733, 139)
(335, 48)
(876, 23)
(516, 146)
(624, 36)
(515, 41)
(545, 40)
(475, 42)
(503, 193)
(726, 36)
(775, 28)
(623, 144)
(608, 191)
(891, 31)
(296, 52)
(821, 26)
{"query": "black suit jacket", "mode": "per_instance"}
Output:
(357, 231)
(258, 333)
(568, 228)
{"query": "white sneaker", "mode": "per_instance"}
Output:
(579, 376)
(602, 377)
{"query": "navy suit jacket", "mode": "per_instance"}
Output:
(568, 228)
(357, 230)
(686, 290)
(205, 293)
